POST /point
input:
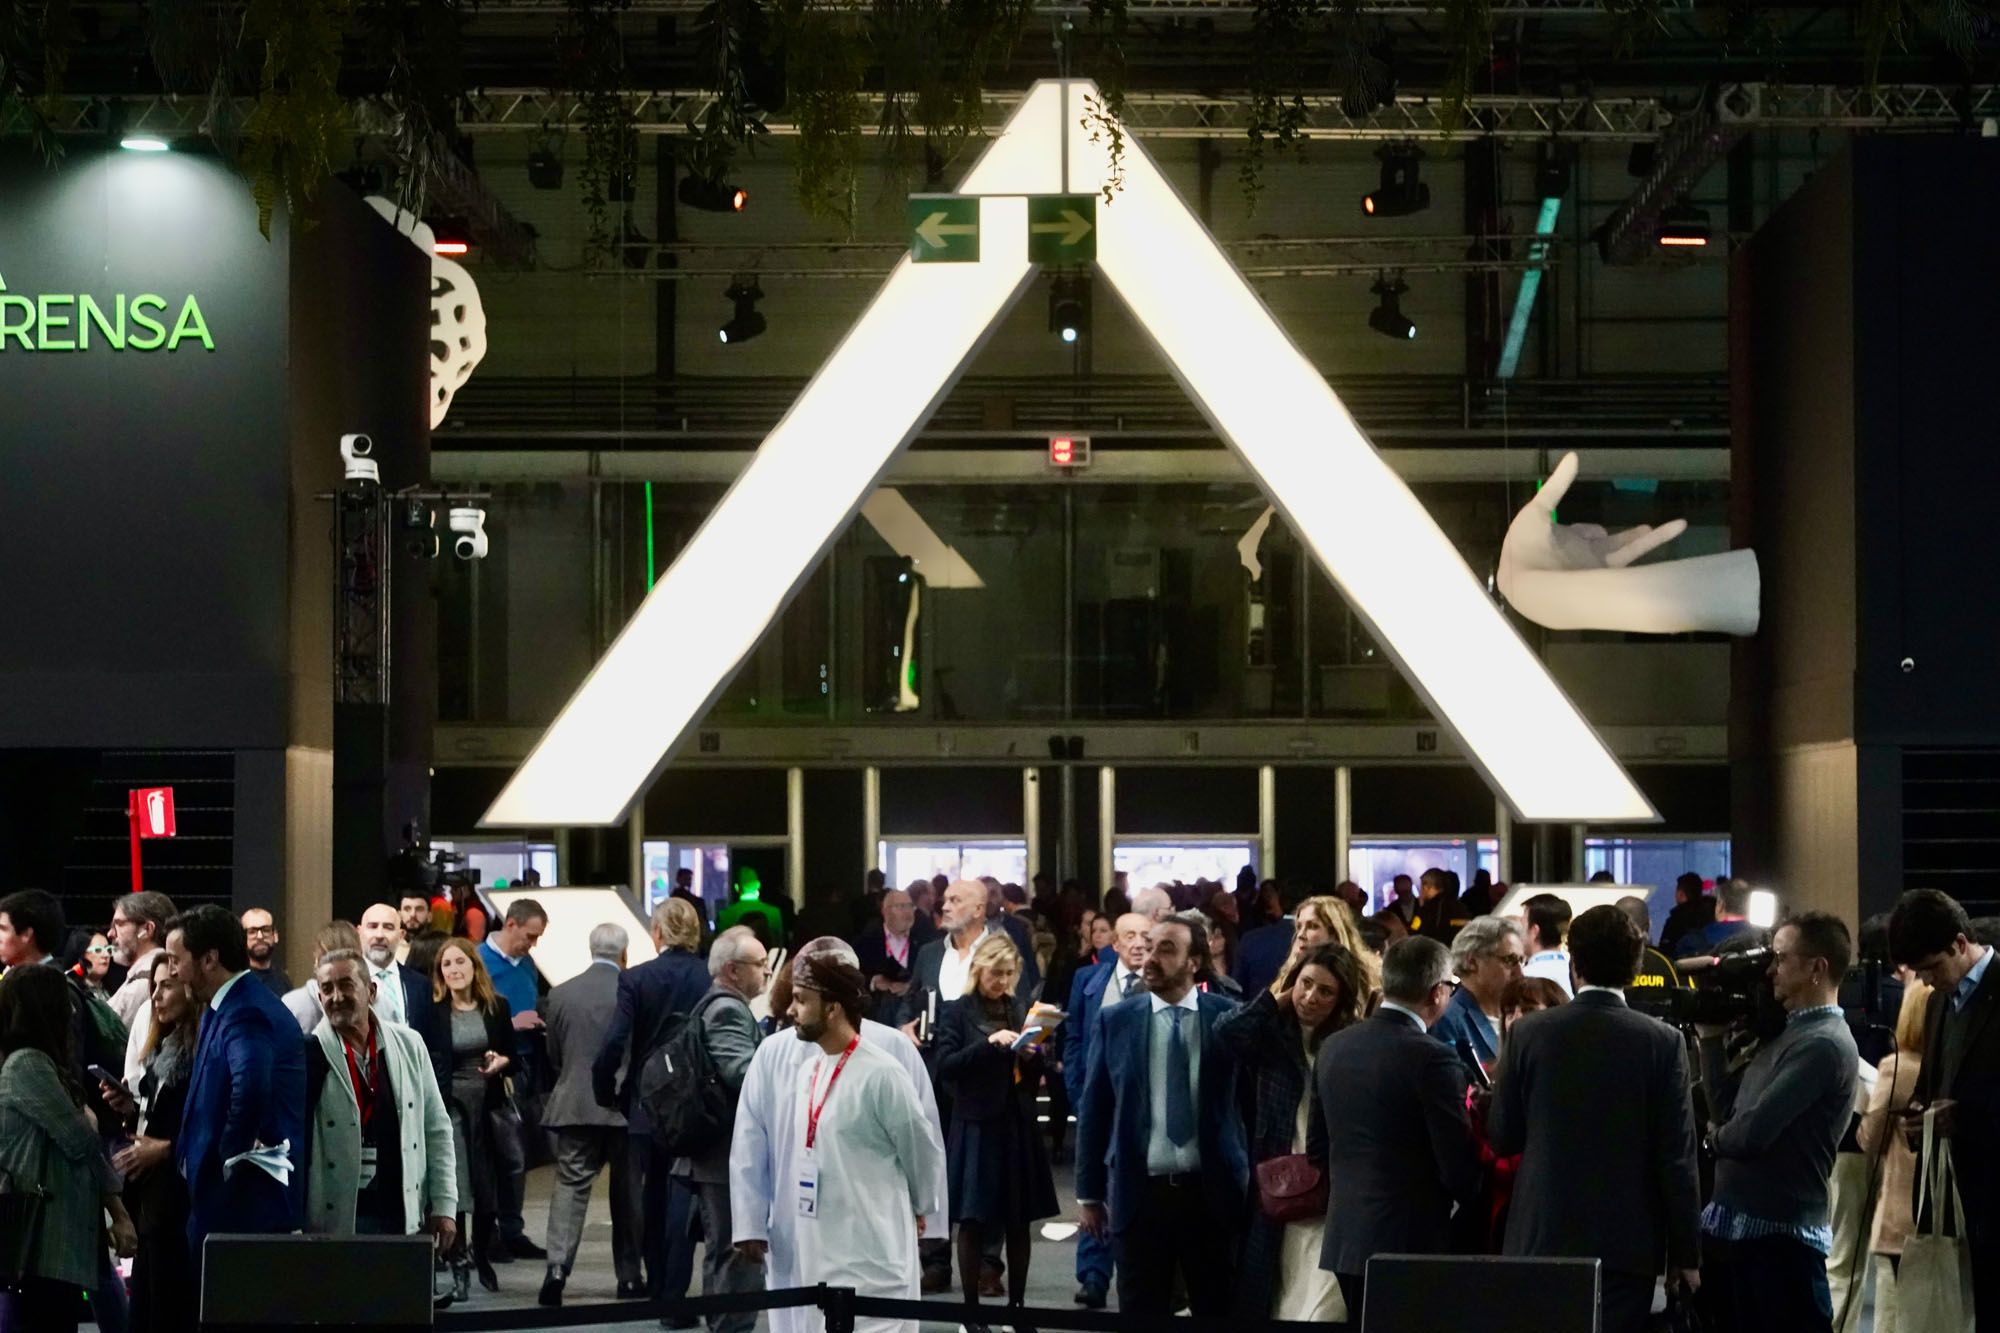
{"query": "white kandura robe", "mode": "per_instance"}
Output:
(765, 1150)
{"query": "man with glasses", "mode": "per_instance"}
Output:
(737, 963)
(260, 931)
(1930, 934)
(1778, 1122)
(1486, 954)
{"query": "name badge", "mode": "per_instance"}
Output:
(808, 1173)
(367, 1165)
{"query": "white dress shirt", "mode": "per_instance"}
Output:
(389, 1002)
(956, 969)
(1162, 1156)
(1552, 964)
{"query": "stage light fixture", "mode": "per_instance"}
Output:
(1400, 193)
(1069, 307)
(1387, 317)
(142, 143)
(449, 236)
(712, 196)
(1683, 227)
(545, 169)
(747, 322)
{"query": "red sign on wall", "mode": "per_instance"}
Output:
(153, 812)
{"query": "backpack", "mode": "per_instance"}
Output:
(681, 1088)
(104, 1034)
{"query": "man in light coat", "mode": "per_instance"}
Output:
(588, 1136)
(380, 1159)
(736, 968)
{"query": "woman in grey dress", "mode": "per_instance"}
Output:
(482, 1051)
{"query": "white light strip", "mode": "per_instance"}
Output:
(1531, 282)
(898, 523)
(805, 483)
(1372, 536)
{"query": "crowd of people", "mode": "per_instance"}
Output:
(1268, 1088)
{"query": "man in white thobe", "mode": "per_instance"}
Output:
(768, 1146)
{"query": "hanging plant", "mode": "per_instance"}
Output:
(935, 57)
(423, 85)
(592, 69)
(34, 54)
(289, 135)
(1468, 45)
(826, 67)
(1280, 30)
(733, 32)
(1882, 24)
(1104, 114)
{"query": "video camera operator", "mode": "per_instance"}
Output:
(1778, 1122)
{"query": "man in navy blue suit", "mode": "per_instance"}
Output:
(244, 1124)
(1161, 1162)
(1095, 987)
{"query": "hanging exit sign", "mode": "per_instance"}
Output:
(1069, 451)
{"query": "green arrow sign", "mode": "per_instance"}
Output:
(1062, 228)
(944, 229)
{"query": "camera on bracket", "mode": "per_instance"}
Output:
(468, 525)
(1731, 989)
(356, 456)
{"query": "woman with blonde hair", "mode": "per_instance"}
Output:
(997, 1164)
(1328, 920)
(1880, 1132)
(479, 1032)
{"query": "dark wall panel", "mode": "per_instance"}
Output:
(951, 801)
(730, 802)
(146, 582)
(1184, 800)
(1435, 798)
(834, 855)
(1305, 817)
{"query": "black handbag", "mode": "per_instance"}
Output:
(20, 1223)
(1682, 1315)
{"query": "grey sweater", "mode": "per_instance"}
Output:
(1782, 1119)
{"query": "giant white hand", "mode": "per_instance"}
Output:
(1579, 576)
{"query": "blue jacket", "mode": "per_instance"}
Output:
(1086, 997)
(1115, 1115)
(1261, 953)
(648, 995)
(1462, 1020)
(248, 1087)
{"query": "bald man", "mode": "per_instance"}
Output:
(944, 964)
(1095, 987)
(888, 953)
(1154, 902)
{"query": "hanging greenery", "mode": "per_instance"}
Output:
(288, 137)
(1280, 30)
(1104, 59)
(826, 52)
(34, 53)
(423, 85)
(1882, 24)
(591, 67)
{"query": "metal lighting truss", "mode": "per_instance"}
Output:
(1695, 140)
(1516, 8)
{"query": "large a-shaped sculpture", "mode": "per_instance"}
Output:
(1579, 576)
(1274, 407)
(458, 319)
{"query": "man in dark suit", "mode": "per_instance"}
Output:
(1596, 1098)
(1930, 934)
(402, 994)
(1107, 983)
(588, 1137)
(888, 952)
(1403, 1154)
(1261, 953)
(943, 964)
(1162, 1164)
(247, 1091)
(649, 997)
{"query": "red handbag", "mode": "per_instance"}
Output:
(1291, 1189)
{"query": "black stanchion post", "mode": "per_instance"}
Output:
(838, 1302)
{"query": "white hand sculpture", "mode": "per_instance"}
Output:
(1578, 576)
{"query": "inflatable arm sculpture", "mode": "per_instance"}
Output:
(1578, 576)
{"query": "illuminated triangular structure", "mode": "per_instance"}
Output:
(812, 473)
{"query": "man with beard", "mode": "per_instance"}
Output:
(401, 995)
(261, 931)
(380, 1158)
(765, 1151)
(413, 910)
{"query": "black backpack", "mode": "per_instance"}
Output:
(681, 1088)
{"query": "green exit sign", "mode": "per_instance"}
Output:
(1062, 228)
(944, 229)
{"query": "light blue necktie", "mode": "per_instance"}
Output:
(1180, 1096)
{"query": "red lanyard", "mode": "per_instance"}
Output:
(812, 1111)
(364, 1091)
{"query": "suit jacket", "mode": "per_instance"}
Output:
(1460, 1022)
(580, 1012)
(871, 946)
(248, 1087)
(730, 1033)
(1260, 953)
(1114, 1119)
(1975, 1144)
(930, 962)
(1086, 999)
(648, 995)
(428, 1019)
(423, 1133)
(1594, 1085)
(980, 1074)
(1393, 1132)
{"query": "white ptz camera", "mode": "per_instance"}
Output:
(355, 451)
(468, 522)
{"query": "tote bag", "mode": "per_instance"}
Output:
(1935, 1281)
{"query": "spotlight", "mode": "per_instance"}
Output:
(747, 322)
(449, 236)
(712, 196)
(1387, 318)
(1069, 307)
(139, 143)
(545, 169)
(1683, 227)
(1400, 193)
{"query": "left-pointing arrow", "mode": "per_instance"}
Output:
(933, 230)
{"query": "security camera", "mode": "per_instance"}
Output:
(355, 451)
(469, 522)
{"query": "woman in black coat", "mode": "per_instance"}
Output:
(1274, 1040)
(997, 1164)
(163, 1276)
(479, 1040)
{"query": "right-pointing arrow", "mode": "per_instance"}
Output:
(1073, 227)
